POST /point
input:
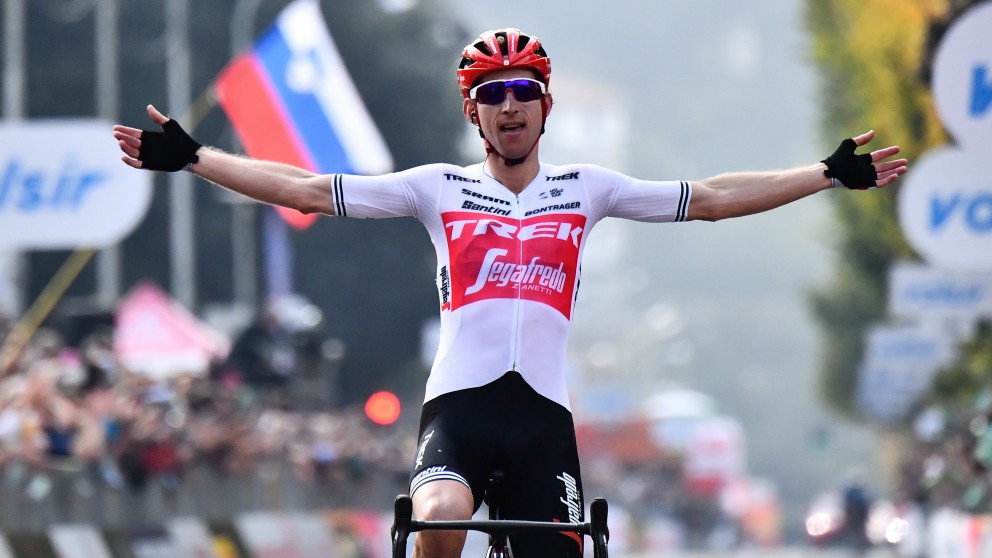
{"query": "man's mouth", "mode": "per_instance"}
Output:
(511, 127)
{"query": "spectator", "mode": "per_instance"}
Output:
(263, 354)
(16, 425)
(856, 510)
(100, 366)
(68, 430)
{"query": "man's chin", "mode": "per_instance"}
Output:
(515, 151)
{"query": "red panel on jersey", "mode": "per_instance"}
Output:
(499, 257)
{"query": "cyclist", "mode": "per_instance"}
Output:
(509, 234)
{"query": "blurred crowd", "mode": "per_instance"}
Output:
(79, 408)
(949, 457)
(76, 408)
(940, 501)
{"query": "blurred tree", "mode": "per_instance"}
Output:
(374, 282)
(874, 60)
(970, 376)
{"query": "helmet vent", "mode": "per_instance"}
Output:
(481, 45)
(503, 47)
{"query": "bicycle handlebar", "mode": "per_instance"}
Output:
(500, 526)
(404, 525)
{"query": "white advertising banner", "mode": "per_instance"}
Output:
(899, 365)
(78, 541)
(716, 453)
(268, 534)
(920, 291)
(962, 79)
(945, 209)
(155, 542)
(286, 534)
(313, 534)
(192, 537)
(63, 186)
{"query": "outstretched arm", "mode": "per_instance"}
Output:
(746, 193)
(265, 181)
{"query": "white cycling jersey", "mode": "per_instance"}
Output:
(507, 265)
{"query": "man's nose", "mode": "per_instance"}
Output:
(510, 103)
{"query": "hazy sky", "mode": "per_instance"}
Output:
(706, 87)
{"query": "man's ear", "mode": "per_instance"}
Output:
(549, 102)
(468, 109)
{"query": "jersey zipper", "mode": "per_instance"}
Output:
(515, 348)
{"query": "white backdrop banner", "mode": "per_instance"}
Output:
(962, 79)
(63, 186)
(78, 541)
(920, 291)
(945, 209)
(899, 364)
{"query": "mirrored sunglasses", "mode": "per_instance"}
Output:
(493, 92)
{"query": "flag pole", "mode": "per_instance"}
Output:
(14, 109)
(182, 203)
(199, 108)
(244, 215)
(39, 310)
(107, 42)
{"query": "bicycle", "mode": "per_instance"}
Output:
(496, 527)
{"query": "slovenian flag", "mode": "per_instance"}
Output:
(290, 99)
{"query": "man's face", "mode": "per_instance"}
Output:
(512, 126)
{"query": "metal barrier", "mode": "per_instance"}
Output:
(70, 493)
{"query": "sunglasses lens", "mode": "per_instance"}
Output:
(526, 91)
(493, 92)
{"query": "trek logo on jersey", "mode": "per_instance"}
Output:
(449, 176)
(497, 257)
(566, 176)
(423, 449)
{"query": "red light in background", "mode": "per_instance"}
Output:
(383, 408)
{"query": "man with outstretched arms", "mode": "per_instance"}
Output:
(509, 234)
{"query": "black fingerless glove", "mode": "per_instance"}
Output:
(169, 150)
(855, 172)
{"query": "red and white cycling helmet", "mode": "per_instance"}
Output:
(501, 49)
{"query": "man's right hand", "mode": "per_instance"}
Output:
(170, 150)
(861, 172)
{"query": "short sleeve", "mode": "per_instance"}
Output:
(397, 194)
(652, 201)
(618, 195)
